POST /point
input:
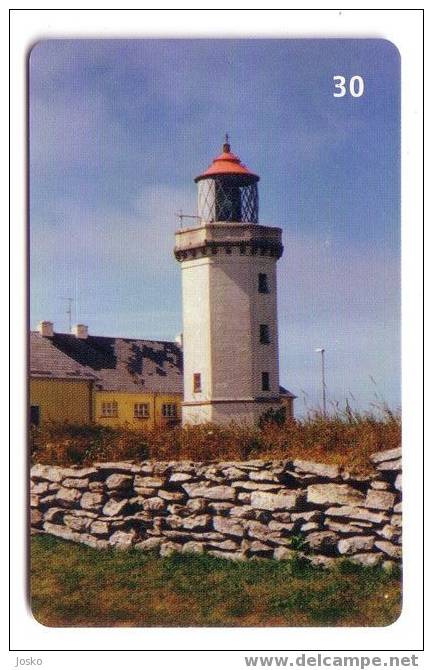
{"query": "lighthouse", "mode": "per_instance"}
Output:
(229, 294)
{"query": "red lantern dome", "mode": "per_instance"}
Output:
(228, 164)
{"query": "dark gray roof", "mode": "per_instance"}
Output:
(115, 363)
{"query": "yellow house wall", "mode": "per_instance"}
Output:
(125, 406)
(62, 399)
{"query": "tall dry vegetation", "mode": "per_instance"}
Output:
(346, 438)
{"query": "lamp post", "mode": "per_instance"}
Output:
(322, 352)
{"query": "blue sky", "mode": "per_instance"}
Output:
(119, 129)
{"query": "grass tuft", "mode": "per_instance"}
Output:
(345, 438)
(75, 585)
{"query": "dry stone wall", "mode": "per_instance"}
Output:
(236, 510)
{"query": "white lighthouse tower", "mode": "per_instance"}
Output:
(229, 292)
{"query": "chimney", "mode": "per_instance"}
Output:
(46, 328)
(179, 340)
(80, 331)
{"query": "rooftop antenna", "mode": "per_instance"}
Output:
(69, 310)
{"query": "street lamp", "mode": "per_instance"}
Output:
(322, 352)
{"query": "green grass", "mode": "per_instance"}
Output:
(74, 585)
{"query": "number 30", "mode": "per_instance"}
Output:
(356, 86)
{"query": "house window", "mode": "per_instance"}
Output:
(265, 381)
(35, 415)
(109, 409)
(169, 410)
(196, 382)
(141, 410)
(264, 334)
(263, 283)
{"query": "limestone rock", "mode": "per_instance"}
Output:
(244, 497)
(389, 466)
(50, 473)
(357, 513)
(114, 507)
(263, 476)
(330, 494)
(380, 500)
(257, 547)
(396, 520)
(118, 482)
(36, 518)
(345, 528)
(169, 548)
(388, 455)
(389, 532)
(196, 505)
(68, 497)
(35, 500)
(319, 469)
(150, 544)
(77, 523)
(304, 517)
(122, 539)
(148, 482)
(39, 489)
(273, 502)
(225, 545)
(100, 528)
(95, 543)
(309, 526)
(283, 528)
(220, 507)
(54, 514)
(180, 478)
(233, 473)
(398, 508)
(228, 526)
(73, 483)
(388, 548)
(118, 466)
(196, 523)
(193, 547)
(92, 501)
(326, 562)
(171, 495)
(379, 485)
(356, 544)
(284, 554)
(229, 555)
(153, 504)
(96, 487)
(256, 486)
(61, 531)
(210, 492)
(324, 541)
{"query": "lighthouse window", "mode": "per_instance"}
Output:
(197, 382)
(263, 283)
(265, 381)
(264, 334)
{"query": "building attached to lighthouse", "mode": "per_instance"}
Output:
(229, 292)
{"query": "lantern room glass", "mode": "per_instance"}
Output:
(228, 198)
